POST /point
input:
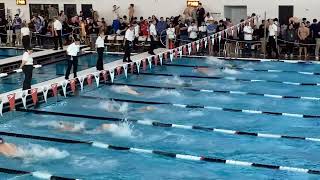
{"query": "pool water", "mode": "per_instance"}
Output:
(86, 162)
(6, 52)
(51, 71)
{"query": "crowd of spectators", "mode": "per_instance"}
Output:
(265, 37)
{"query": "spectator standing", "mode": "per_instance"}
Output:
(303, 33)
(3, 24)
(200, 14)
(25, 33)
(203, 30)
(170, 36)
(291, 36)
(317, 36)
(208, 19)
(131, 12)
(93, 30)
(57, 30)
(212, 27)
(62, 17)
(248, 32)
(52, 12)
(115, 12)
(136, 34)
(17, 29)
(273, 31)
(193, 31)
(9, 28)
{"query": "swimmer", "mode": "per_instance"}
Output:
(203, 70)
(128, 90)
(7, 149)
(69, 127)
(146, 109)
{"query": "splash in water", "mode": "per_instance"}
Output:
(164, 92)
(230, 71)
(124, 89)
(123, 130)
(33, 153)
(112, 106)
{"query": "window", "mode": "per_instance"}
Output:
(193, 3)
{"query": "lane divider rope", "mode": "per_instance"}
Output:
(186, 157)
(37, 174)
(177, 126)
(221, 91)
(246, 69)
(232, 79)
(248, 111)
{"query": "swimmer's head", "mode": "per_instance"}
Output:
(1, 141)
(186, 84)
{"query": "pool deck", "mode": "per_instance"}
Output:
(108, 66)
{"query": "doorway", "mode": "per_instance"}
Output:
(86, 10)
(70, 10)
(235, 13)
(285, 13)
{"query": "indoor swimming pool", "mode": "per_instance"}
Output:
(237, 120)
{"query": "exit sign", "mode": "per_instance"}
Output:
(21, 2)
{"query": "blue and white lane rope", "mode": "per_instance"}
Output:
(36, 174)
(221, 91)
(270, 60)
(215, 108)
(232, 79)
(169, 154)
(246, 69)
(178, 126)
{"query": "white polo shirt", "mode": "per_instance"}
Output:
(57, 25)
(25, 31)
(152, 30)
(73, 49)
(136, 30)
(273, 29)
(26, 57)
(100, 42)
(193, 32)
(129, 36)
(248, 33)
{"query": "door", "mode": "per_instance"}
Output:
(2, 11)
(70, 10)
(235, 13)
(285, 13)
(86, 9)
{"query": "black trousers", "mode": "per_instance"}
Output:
(72, 61)
(26, 42)
(27, 70)
(152, 45)
(289, 48)
(127, 51)
(272, 46)
(56, 39)
(99, 65)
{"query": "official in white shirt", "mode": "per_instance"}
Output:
(57, 30)
(128, 43)
(248, 32)
(272, 43)
(100, 49)
(72, 52)
(25, 33)
(27, 68)
(153, 37)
